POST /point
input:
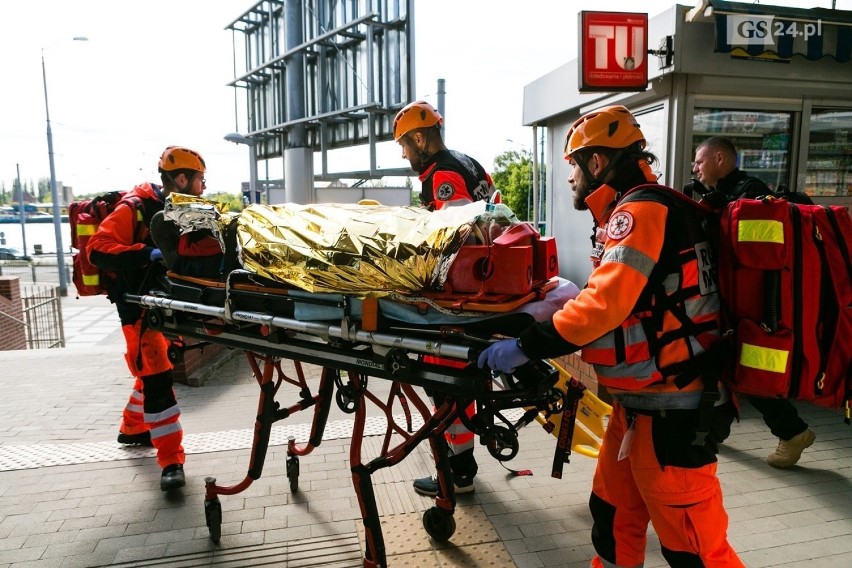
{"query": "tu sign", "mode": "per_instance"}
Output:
(613, 51)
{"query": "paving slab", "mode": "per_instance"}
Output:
(71, 496)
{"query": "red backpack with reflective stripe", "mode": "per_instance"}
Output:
(785, 275)
(84, 217)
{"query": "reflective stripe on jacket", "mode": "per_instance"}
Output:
(644, 315)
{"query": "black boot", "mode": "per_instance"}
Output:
(172, 477)
(143, 439)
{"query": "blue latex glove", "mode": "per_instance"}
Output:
(504, 356)
(156, 255)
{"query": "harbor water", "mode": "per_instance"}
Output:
(41, 234)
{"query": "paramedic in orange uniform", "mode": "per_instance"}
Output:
(647, 321)
(448, 178)
(123, 244)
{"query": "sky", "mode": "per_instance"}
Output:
(153, 73)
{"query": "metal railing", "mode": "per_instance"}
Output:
(43, 316)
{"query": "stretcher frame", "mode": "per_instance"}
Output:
(345, 349)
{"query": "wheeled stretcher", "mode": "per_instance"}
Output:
(354, 340)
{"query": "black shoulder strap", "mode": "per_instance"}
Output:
(751, 187)
(669, 196)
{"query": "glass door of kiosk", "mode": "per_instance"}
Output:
(829, 165)
(762, 140)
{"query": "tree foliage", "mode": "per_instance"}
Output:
(232, 200)
(513, 177)
(44, 192)
(415, 195)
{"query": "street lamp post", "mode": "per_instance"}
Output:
(54, 194)
(238, 138)
(21, 210)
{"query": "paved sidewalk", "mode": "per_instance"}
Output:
(90, 321)
(70, 496)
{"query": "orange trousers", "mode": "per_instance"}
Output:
(683, 501)
(152, 406)
(458, 437)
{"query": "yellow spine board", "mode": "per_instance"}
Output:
(592, 417)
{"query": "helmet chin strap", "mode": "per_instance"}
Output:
(423, 156)
(596, 182)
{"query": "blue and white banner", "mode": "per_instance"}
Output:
(770, 37)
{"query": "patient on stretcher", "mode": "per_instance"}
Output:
(473, 253)
(197, 253)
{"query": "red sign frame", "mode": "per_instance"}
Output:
(613, 51)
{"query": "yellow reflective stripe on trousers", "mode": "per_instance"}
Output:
(760, 231)
(86, 230)
(764, 358)
(91, 279)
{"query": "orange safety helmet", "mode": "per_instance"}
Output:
(610, 127)
(418, 114)
(180, 158)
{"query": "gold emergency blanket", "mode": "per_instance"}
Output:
(195, 213)
(357, 249)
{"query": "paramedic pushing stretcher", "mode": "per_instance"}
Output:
(448, 178)
(123, 244)
(647, 324)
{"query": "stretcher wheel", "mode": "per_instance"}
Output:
(156, 319)
(175, 352)
(398, 365)
(346, 400)
(293, 473)
(213, 515)
(439, 524)
(502, 443)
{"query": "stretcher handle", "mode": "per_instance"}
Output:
(585, 450)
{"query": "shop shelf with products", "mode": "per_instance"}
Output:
(829, 170)
(761, 139)
(768, 165)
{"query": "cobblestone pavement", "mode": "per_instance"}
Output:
(71, 496)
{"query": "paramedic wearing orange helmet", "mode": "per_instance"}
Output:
(649, 324)
(447, 178)
(123, 245)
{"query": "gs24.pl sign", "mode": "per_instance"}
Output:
(745, 30)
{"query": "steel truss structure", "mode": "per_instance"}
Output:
(323, 74)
